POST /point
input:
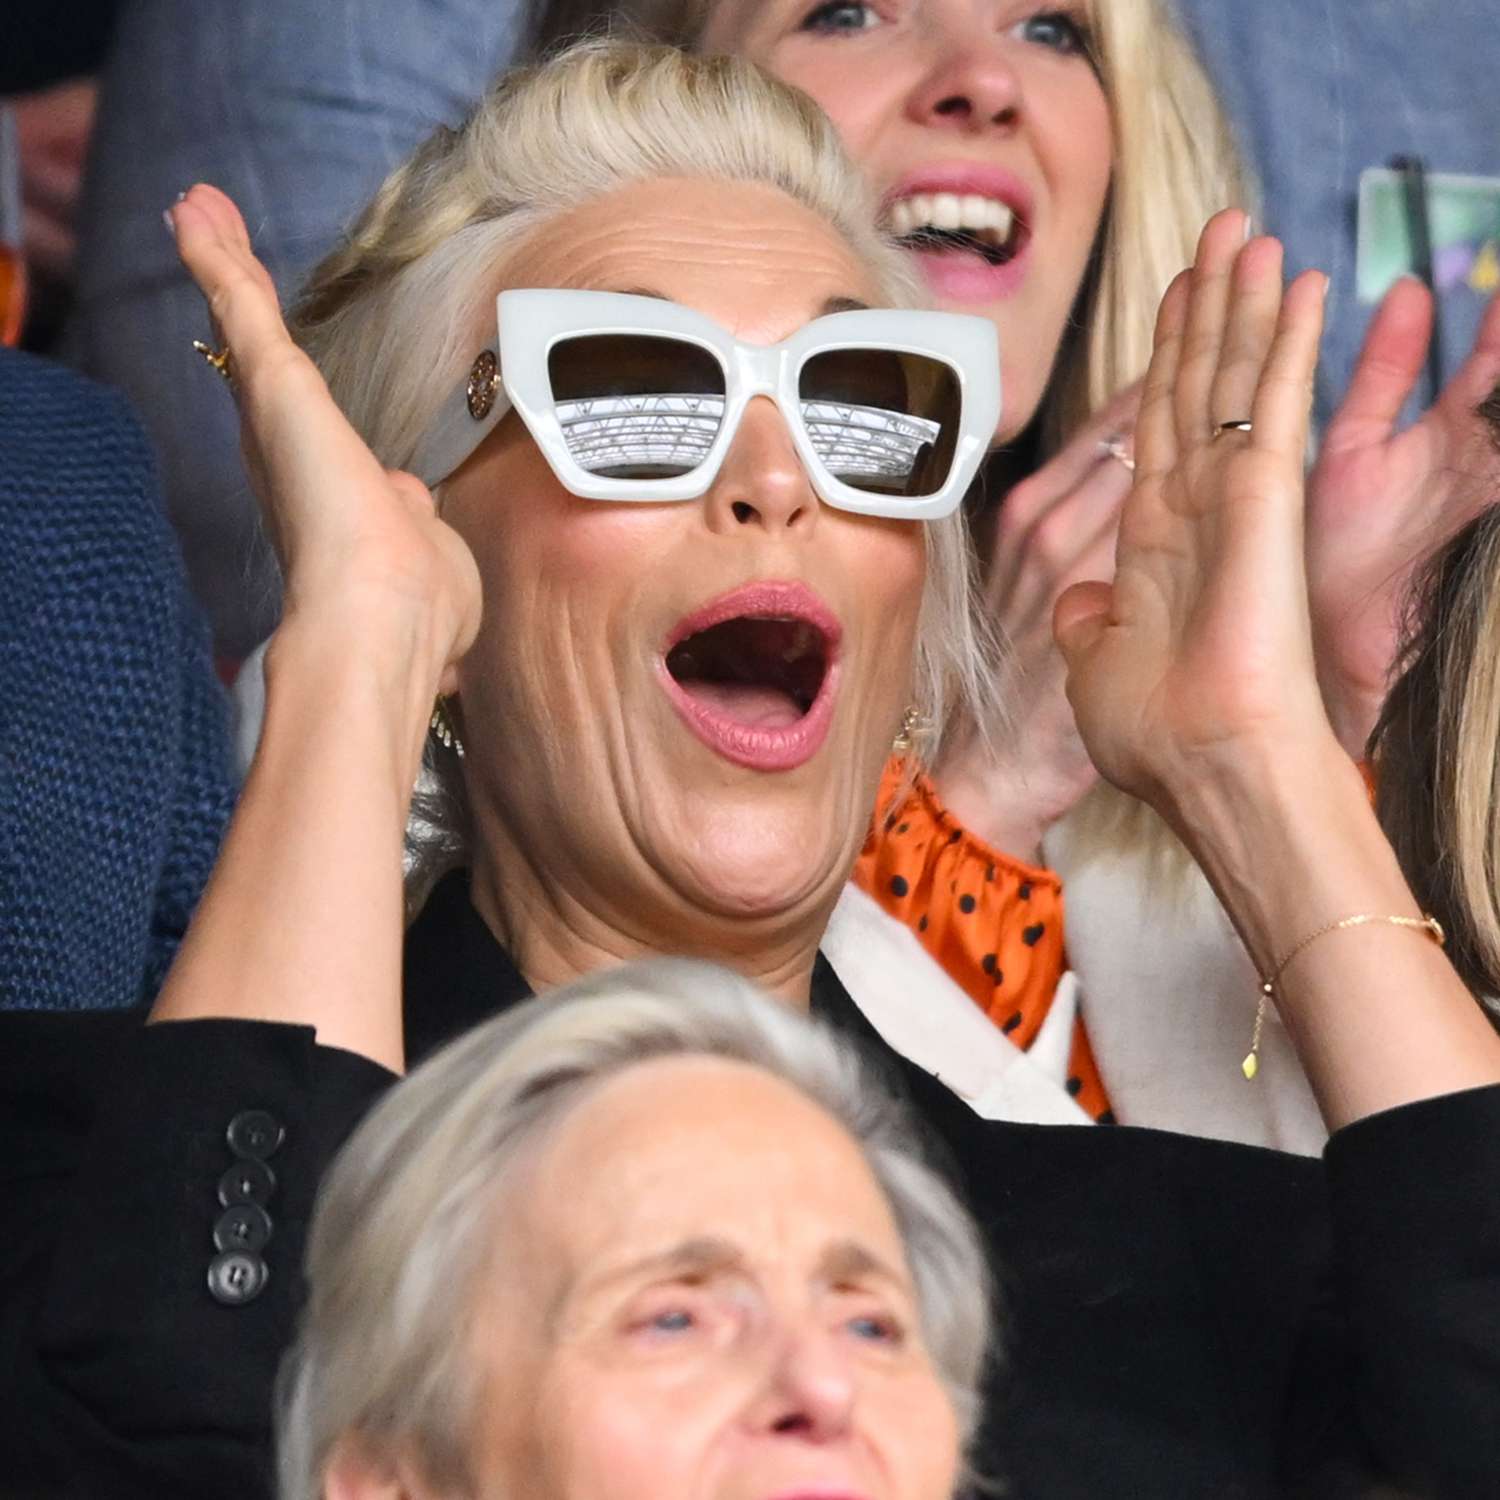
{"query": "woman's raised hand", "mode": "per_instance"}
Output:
(359, 544)
(1380, 502)
(1196, 662)
(302, 920)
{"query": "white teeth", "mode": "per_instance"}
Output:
(946, 213)
(971, 212)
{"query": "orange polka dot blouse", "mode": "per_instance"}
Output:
(994, 923)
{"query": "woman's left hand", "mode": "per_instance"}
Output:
(1380, 502)
(1196, 663)
(1193, 682)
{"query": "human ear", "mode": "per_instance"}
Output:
(357, 1472)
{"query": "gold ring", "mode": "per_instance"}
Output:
(1115, 447)
(218, 358)
(1242, 425)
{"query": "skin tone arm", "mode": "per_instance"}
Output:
(1193, 680)
(302, 920)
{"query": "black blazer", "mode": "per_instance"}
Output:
(1181, 1318)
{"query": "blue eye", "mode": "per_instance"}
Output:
(1059, 30)
(875, 1329)
(839, 16)
(674, 1320)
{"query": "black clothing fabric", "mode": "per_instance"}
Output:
(46, 42)
(1181, 1318)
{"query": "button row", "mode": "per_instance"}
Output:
(238, 1273)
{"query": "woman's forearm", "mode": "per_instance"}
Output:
(302, 919)
(1377, 1014)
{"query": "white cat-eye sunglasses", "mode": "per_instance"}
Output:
(634, 398)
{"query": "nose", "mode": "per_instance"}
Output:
(810, 1389)
(970, 87)
(762, 482)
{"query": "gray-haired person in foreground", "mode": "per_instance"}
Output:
(573, 1254)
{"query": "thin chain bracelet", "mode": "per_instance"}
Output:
(1428, 924)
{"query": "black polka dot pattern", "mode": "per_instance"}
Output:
(1033, 934)
(1011, 1023)
(966, 904)
(899, 886)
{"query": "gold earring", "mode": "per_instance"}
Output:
(913, 726)
(441, 724)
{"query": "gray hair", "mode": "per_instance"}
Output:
(417, 268)
(404, 1220)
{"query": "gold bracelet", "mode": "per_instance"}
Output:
(1428, 924)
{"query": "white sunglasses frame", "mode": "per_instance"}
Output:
(532, 321)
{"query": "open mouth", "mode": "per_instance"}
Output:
(752, 673)
(967, 223)
(762, 671)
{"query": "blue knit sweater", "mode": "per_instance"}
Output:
(115, 780)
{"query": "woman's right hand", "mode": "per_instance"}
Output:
(301, 922)
(359, 544)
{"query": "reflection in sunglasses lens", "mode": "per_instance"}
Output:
(880, 420)
(636, 406)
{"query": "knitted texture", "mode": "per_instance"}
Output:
(115, 779)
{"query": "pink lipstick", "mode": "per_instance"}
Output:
(754, 672)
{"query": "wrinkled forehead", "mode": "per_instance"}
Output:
(685, 1149)
(747, 255)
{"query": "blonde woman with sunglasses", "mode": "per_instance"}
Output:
(666, 696)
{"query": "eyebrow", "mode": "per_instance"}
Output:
(703, 1255)
(843, 304)
(707, 1256)
(848, 1260)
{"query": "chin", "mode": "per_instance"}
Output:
(764, 861)
(1022, 403)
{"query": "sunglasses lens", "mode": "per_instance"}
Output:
(880, 420)
(636, 406)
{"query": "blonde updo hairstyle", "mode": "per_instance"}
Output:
(393, 316)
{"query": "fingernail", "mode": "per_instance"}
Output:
(1249, 229)
(166, 218)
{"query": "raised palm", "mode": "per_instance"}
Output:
(1200, 651)
(357, 542)
(1380, 501)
